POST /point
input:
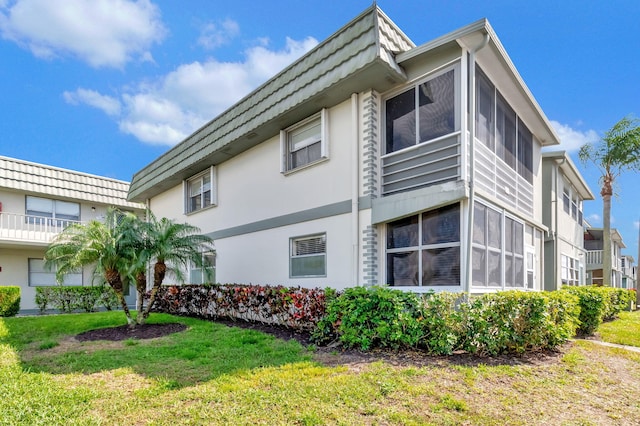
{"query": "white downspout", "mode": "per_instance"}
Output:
(554, 232)
(355, 190)
(472, 136)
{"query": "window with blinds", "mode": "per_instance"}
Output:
(304, 143)
(308, 256)
(200, 191)
(39, 276)
(53, 212)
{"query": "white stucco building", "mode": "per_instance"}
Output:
(370, 160)
(36, 202)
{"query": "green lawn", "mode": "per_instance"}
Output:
(212, 374)
(624, 331)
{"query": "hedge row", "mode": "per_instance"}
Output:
(294, 307)
(441, 323)
(598, 304)
(68, 299)
(9, 300)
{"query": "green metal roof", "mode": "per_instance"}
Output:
(358, 57)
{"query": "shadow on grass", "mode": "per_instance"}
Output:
(204, 351)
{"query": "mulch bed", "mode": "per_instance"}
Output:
(124, 332)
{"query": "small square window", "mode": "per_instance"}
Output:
(308, 256)
(200, 191)
(205, 273)
(304, 143)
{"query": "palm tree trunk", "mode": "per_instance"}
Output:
(606, 193)
(159, 271)
(115, 281)
(141, 287)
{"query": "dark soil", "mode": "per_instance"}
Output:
(124, 332)
(331, 354)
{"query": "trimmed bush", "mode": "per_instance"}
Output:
(440, 323)
(9, 300)
(367, 317)
(598, 304)
(71, 298)
(517, 321)
(293, 307)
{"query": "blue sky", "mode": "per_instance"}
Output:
(106, 86)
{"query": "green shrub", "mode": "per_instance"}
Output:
(71, 298)
(9, 300)
(441, 323)
(366, 317)
(593, 303)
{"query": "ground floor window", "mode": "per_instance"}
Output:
(308, 256)
(205, 273)
(570, 270)
(498, 257)
(424, 250)
(39, 276)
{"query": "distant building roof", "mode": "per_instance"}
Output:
(570, 170)
(40, 179)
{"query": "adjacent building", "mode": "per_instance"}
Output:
(564, 250)
(37, 202)
(594, 245)
(371, 160)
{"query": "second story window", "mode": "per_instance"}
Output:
(200, 191)
(304, 143)
(42, 211)
(500, 129)
(422, 113)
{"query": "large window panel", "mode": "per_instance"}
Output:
(525, 152)
(437, 107)
(505, 132)
(422, 113)
(485, 104)
(424, 250)
(42, 211)
(403, 269)
(39, 276)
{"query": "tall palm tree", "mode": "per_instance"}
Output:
(618, 151)
(107, 245)
(171, 247)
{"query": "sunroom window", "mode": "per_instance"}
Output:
(422, 113)
(503, 132)
(200, 191)
(498, 258)
(424, 250)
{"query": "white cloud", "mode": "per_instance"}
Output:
(571, 139)
(169, 109)
(103, 33)
(594, 220)
(636, 224)
(109, 105)
(213, 35)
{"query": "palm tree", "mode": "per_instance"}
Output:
(108, 245)
(618, 151)
(171, 247)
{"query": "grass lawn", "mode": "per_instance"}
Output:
(624, 331)
(213, 374)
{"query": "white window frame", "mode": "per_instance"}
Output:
(198, 178)
(285, 141)
(53, 217)
(487, 248)
(416, 87)
(202, 272)
(48, 278)
(570, 270)
(293, 255)
(422, 247)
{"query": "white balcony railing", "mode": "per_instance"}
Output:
(594, 257)
(28, 228)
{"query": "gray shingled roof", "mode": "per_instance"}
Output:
(358, 57)
(34, 178)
